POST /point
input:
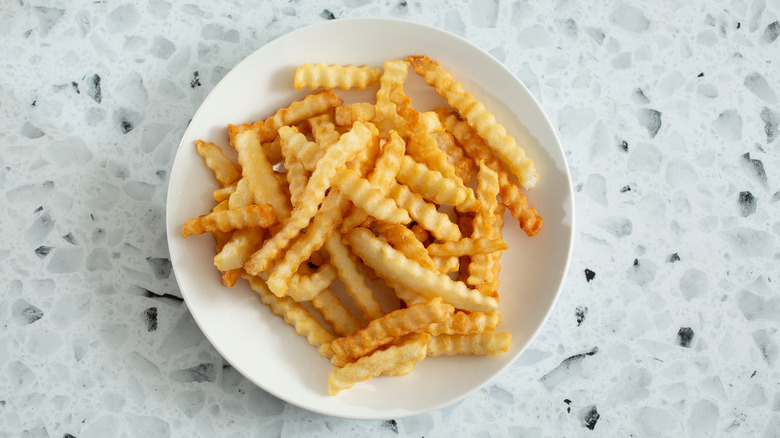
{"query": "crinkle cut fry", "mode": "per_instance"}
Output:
(335, 76)
(304, 287)
(434, 186)
(346, 115)
(259, 174)
(335, 158)
(383, 175)
(354, 284)
(223, 168)
(481, 266)
(237, 250)
(393, 74)
(392, 358)
(252, 216)
(310, 106)
(464, 166)
(371, 199)
(465, 323)
(334, 312)
(479, 344)
(296, 175)
(425, 214)
(476, 148)
(384, 330)
(467, 246)
(295, 315)
(404, 240)
(483, 121)
(323, 131)
(392, 265)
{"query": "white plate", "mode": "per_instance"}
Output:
(260, 345)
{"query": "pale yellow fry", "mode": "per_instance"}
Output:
(394, 74)
(323, 131)
(223, 168)
(323, 224)
(511, 195)
(465, 323)
(306, 287)
(404, 240)
(491, 288)
(259, 174)
(430, 122)
(296, 175)
(334, 312)
(242, 196)
(400, 370)
(425, 214)
(433, 186)
(397, 323)
(307, 152)
(394, 266)
(334, 159)
(422, 145)
(464, 166)
(224, 192)
(384, 173)
(310, 106)
(238, 249)
(414, 350)
(408, 296)
(346, 265)
(346, 115)
(479, 344)
(481, 266)
(369, 198)
(445, 264)
(483, 121)
(295, 315)
(468, 246)
(252, 216)
(335, 76)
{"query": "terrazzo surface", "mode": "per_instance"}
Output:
(668, 321)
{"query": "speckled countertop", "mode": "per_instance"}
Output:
(668, 324)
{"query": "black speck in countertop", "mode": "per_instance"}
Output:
(43, 251)
(326, 14)
(589, 416)
(195, 82)
(150, 315)
(160, 266)
(75, 86)
(754, 374)
(125, 125)
(201, 373)
(700, 75)
(39, 209)
(625, 189)
(673, 258)
(161, 174)
(166, 296)
(67, 435)
(34, 103)
(636, 263)
(93, 88)
(2, 403)
(756, 167)
(568, 405)
(589, 275)
(685, 337)
(391, 425)
(747, 203)
(580, 312)
(403, 4)
(624, 145)
(69, 238)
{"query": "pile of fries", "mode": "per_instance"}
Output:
(372, 192)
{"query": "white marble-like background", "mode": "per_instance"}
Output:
(668, 324)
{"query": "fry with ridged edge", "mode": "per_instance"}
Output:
(252, 216)
(425, 214)
(478, 344)
(335, 314)
(397, 323)
(294, 314)
(445, 264)
(479, 118)
(468, 246)
(223, 193)
(481, 266)
(364, 195)
(476, 148)
(304, 287)
(464, 166)
(394, 266)
(354, 284)
(434, 186)
(259, 174)
(465, 323)
(413, 350)
(393, 74)
(334, 159)
(223, 168)
(310, 106)
(335, 76)
(346, 115)
(323, 131)
(404, 240)
(237, 250)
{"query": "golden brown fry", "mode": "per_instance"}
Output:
(435, 187)
(346, 265)
(468, 246)
(421, 234)
(259, 174)
(371, 199)
(479, 344)
(323, 131)
(465, 323)
(346, 115)
(296, 175)
(511, 196)
(423, 213)
(334, 159)
(242, 196)
(479, 118)
(413, 350)
(395, 267)
(445, 264)
(238, 249)
(296, 315)
(252, 216)
(335, 76)
(481, 266)
(394, 74)
(404, 240)
(224, 192)
(400, 370)
(297, 112)
(223, 168)
(464, 166)
(334, 312)
(397, 323)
